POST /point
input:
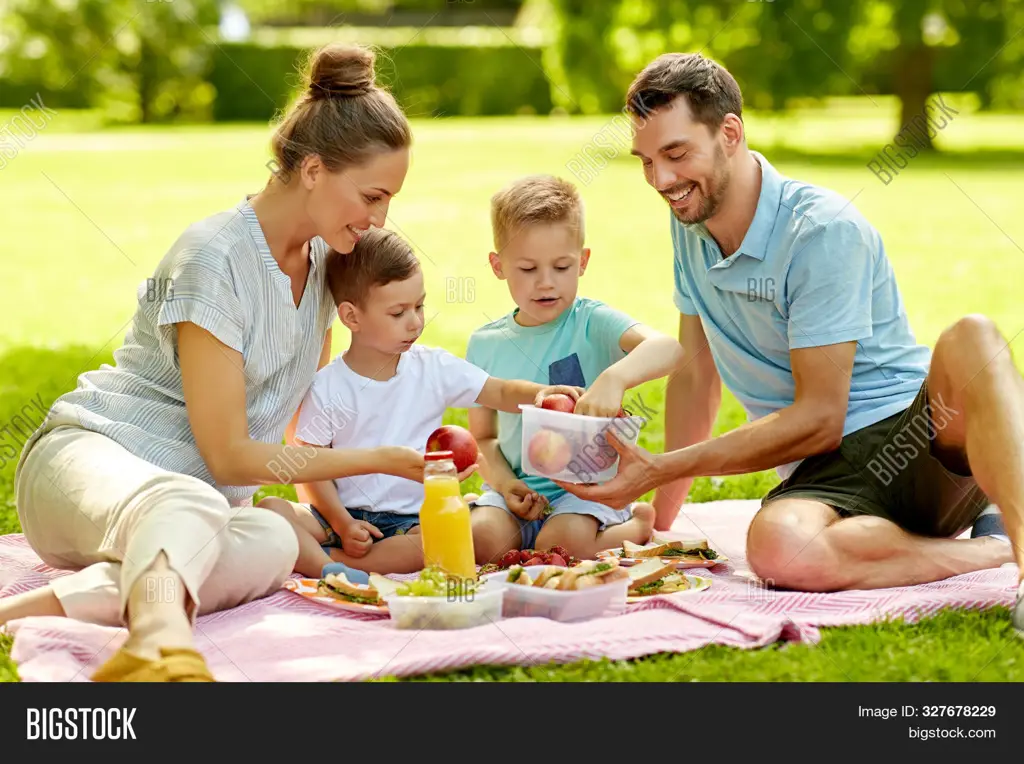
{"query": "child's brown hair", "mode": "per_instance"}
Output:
(379, 257)
(535, 199)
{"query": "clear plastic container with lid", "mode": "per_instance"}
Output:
(444, 519)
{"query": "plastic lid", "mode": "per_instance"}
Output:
(437, 456)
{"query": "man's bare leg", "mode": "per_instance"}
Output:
(973, 374)
(804, 545)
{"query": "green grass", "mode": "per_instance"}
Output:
(86, 214)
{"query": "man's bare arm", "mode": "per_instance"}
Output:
(692, 400)
(813, 424)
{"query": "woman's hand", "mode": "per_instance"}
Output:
(401, 461)
(572, 392)
(638, 473)
(468, 471)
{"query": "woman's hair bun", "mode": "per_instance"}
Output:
(341, 71)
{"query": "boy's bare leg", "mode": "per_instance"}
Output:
(803, 545)
(309, 532)
(580, 536)
(396, 554)
(495, 532)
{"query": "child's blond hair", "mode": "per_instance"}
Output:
(535, 199)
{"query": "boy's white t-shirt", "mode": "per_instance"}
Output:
(345, 410)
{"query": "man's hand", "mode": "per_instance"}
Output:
(524, 503)
(637, 474)
(468, 471)
(357, 537)
(572, 392)
(604, 398)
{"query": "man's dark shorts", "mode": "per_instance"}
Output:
(888, 470)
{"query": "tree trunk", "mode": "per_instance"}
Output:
(913, 85)
(146, 81)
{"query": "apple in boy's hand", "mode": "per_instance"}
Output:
(558, 402)
(549, 451)
(459, 441)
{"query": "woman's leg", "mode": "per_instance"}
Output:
(148, 540)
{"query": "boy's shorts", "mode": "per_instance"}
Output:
(388, 523)
(566, 504)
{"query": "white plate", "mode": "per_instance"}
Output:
(684, 565)
(307, 587)
(697, 584)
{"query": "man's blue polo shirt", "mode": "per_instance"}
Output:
(811, 271)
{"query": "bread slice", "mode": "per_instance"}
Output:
(649, 570)
(383, 585)
(547, 575)
(678, 547)
(338, 586)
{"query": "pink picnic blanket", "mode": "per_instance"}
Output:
(286, 637)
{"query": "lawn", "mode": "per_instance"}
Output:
(86, 214)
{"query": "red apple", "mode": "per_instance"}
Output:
(558, 402)
(549, 451)
(456, 439)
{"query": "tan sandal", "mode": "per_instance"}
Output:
(177, 664)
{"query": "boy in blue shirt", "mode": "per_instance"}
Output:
(553, 337)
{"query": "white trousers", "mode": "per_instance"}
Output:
(87, 504)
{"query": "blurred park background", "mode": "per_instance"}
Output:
(123, 121)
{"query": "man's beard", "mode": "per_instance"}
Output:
(712, 201)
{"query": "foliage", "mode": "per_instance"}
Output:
(801, 48)
(139, 61)
(253, 81)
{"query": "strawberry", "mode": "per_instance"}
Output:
(511, 558)
(560, 551)
(533, 561)
(557, 559)
(526, 555)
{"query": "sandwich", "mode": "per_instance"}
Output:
(591, 573)
(692, 550)
(673, 582)
(336, 585)
(517, 575)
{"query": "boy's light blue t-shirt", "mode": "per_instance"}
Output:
(571, 350)
(811, 271)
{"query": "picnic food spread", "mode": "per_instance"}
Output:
(583, 576)
(556, 555)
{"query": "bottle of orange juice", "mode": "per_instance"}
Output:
(444, 518)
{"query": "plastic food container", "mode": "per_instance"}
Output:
(458, 611)
(572, 447)
(523, 601)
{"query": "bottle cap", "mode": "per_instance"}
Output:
(437, 456)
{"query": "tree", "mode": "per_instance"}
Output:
(141, 61)
(780, 50)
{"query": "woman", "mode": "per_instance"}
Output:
(141, 479)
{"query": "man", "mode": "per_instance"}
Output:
(888, 451)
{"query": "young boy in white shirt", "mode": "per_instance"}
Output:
(383, 391)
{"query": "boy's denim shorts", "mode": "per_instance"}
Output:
(566, 504)
(388, 523)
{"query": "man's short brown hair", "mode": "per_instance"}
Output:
(535, 199)
(708, 87)
(379, 258)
